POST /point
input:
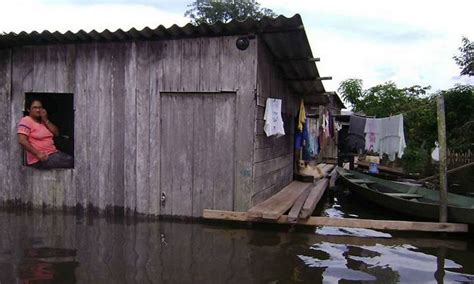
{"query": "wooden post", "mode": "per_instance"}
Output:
(443, 182)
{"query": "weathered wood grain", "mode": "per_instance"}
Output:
(94, 127)
(105, 130)
(81, 127)
(5, 134)
(295, 210)
(204, 165)
(143, 128)
(315, 195)
(269, 150)
(210, 68)
(119, 143)
(118, 130)
(156, 75)
(130, 127)
(22, 82)
(279, 203)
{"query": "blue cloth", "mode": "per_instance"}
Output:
(301, 138)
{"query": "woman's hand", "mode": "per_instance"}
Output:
(42, 157)
(44, 115)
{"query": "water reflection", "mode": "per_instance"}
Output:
(67, 250)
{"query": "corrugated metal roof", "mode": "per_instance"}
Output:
(285, 37)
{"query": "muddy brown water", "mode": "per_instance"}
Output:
(44, 248)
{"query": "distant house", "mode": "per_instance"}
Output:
(164, 121)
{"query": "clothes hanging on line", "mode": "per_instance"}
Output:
(356, 135)
(273, 119)
(301, 116)
(372, 134)
(392, 137)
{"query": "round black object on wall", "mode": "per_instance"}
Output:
(242, 43)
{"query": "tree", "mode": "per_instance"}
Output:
(466, 59)
(417, 107)
(351, 90)
(211, 11)
(460, 116)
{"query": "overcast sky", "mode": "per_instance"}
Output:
(408, 42)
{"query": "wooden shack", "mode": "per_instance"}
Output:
(166, 121)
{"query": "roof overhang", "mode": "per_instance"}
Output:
(285, 37)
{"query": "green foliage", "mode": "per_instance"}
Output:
(351, 90)
(420, 117)
(466, 59)
(460, 116)
(211, 11)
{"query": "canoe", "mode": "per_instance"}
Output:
(408, 199)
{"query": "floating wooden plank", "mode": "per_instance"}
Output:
(315, 195)
(279, 203)
(344, 222)
(294, 213)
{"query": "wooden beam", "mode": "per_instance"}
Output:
(307, 59)
(309, 79)
(294, 213)
(354, 240)
(443, 177)
(278, 204)
(343, 222)
(450, 171)
(314, 196)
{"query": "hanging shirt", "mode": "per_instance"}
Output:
(301, 116)
(392, 137)
(372, 134)
(273, 120)
(356, 137)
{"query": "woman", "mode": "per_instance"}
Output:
(35, 134)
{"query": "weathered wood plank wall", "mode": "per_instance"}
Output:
(273, 156)
(5, 97)
(119, 150)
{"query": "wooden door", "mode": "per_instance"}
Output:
(197, 152)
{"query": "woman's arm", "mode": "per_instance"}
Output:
(53, 128)
(23, 140)
(49, 124)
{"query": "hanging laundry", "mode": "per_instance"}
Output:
(372, 134)
(273, 120)
(301, 138)
(356, 137)
(301, 116)
(392, 137)
(331, 124)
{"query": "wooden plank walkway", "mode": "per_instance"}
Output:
(295, 211)
(278, 204)
(315, 195)
(343, 222)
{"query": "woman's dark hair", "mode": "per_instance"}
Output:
(29, 102)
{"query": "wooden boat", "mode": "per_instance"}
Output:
(407, 199)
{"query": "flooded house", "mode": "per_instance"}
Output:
(165, 121)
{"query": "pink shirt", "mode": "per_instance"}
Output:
(39, 136)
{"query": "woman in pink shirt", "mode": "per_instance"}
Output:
(35, 134)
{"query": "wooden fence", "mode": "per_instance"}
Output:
(460, 157)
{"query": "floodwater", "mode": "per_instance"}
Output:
(39, 248)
